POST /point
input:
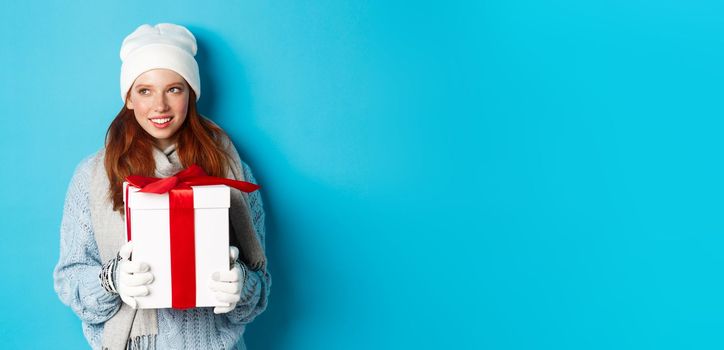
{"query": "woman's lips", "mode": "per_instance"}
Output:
(161, 122)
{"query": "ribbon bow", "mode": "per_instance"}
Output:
(194, 175)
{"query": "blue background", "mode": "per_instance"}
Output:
(469, 175)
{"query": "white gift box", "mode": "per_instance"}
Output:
(151, 236)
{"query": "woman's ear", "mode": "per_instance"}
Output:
(129, 103)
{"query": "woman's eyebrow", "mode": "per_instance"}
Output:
(148, 85)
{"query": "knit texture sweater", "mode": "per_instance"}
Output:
(77, 284)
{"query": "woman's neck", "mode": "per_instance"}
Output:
(165, 143)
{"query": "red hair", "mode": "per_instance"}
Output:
(129, 148)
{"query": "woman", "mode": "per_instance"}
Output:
(158, 132)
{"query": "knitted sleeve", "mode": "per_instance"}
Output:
(76, 274)
(255, 292)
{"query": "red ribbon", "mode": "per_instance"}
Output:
(181, 216)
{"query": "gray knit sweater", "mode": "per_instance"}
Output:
(77, 284)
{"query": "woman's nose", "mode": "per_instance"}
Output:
(160, 104)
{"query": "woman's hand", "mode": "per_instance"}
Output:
(132, 277)
(227, 284)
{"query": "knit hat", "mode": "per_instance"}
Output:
(164, 45)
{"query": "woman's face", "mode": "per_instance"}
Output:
(159, 99)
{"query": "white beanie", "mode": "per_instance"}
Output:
(164, 45)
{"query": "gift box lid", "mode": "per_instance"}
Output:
(205, 197)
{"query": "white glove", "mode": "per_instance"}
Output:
(132, 277)
(227, 284)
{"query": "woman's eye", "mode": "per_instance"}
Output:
(175, 89)
(143, 91)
